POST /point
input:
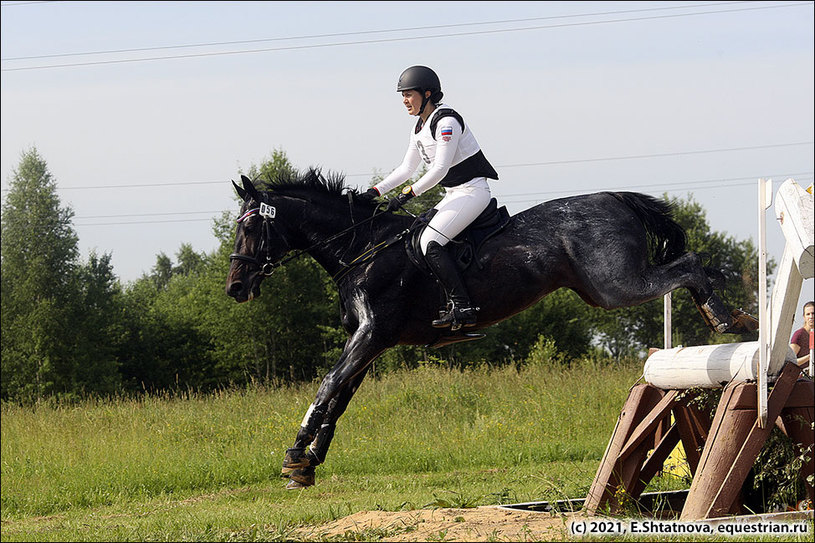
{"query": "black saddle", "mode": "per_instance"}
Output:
(466, 246)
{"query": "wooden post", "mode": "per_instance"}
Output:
(612, 473)
(733, 444)
(720, 454)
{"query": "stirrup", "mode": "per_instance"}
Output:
(457, 318)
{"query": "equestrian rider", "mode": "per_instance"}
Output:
(454, 160)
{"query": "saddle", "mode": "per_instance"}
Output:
(466, 246)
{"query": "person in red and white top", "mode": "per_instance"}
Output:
(446, 144)
(799, 343)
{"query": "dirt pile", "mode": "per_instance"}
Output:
(477, 524)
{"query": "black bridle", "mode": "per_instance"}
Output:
(263, 258)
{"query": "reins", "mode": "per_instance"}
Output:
(372, 252)
(329, 239)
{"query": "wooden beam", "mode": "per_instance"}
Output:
(649, 424)
(733, 444)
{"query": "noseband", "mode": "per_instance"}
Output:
(263, 258)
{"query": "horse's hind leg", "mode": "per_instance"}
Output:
(700, 282)
(622, 286)
(684, 272)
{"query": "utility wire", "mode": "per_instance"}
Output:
(14, 4)
(360, 33)
(500, 166)
(505, 198)
(392, 40)
(682, 186)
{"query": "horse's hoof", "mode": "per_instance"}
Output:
(743, 323)
(300, 478)
(715, 314)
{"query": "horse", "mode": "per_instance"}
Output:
(614, 249)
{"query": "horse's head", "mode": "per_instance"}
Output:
(260, 243)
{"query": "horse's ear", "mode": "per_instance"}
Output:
(250, 188)
(239, 190)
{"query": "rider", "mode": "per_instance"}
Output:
(454, 159)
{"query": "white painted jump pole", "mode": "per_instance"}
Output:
(765, 198)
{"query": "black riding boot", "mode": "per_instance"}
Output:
(460, 310)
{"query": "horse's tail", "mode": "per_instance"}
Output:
(666, 238)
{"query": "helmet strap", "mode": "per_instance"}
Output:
(425, 100)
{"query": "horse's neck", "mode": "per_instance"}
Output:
(325, 224)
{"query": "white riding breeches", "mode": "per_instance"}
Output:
(460, 206)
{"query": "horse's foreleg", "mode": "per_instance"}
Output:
(335, 392)
(301, 460)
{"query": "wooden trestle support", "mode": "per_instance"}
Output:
(720, 452)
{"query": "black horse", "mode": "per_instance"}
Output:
(615, 249)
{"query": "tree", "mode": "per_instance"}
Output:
(59, 315)
(97, 324)
(162, 271)
(188, 260)
(38, 259)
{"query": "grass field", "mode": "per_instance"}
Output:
(205, 467)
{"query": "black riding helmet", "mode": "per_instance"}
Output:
(421, 78)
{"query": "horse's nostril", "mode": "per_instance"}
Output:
(235, 287)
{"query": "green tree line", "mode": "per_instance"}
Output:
(72, 329)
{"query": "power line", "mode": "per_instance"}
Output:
(682, 185)
(360, 33)
(14, 4)
(505, 198)
(519, 165)
(391, 40)
(656, 155)
(122, 215)
(144, 222)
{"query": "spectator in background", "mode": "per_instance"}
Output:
(800, 339)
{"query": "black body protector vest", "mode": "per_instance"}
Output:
(469, 168)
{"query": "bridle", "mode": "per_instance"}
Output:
(263, 258)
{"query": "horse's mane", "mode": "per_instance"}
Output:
(312, 180)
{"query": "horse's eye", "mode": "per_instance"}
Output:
(249, 223)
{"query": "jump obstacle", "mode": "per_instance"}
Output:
(659, 414)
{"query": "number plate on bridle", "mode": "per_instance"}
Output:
(267, 211)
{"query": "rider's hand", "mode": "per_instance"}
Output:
(369, 195)
(402, 199)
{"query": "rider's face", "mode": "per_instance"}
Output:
(412, 100)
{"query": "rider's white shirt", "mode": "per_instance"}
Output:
(450, 147)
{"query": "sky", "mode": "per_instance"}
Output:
(144, 111)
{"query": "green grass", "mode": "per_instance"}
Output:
(205, 467)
